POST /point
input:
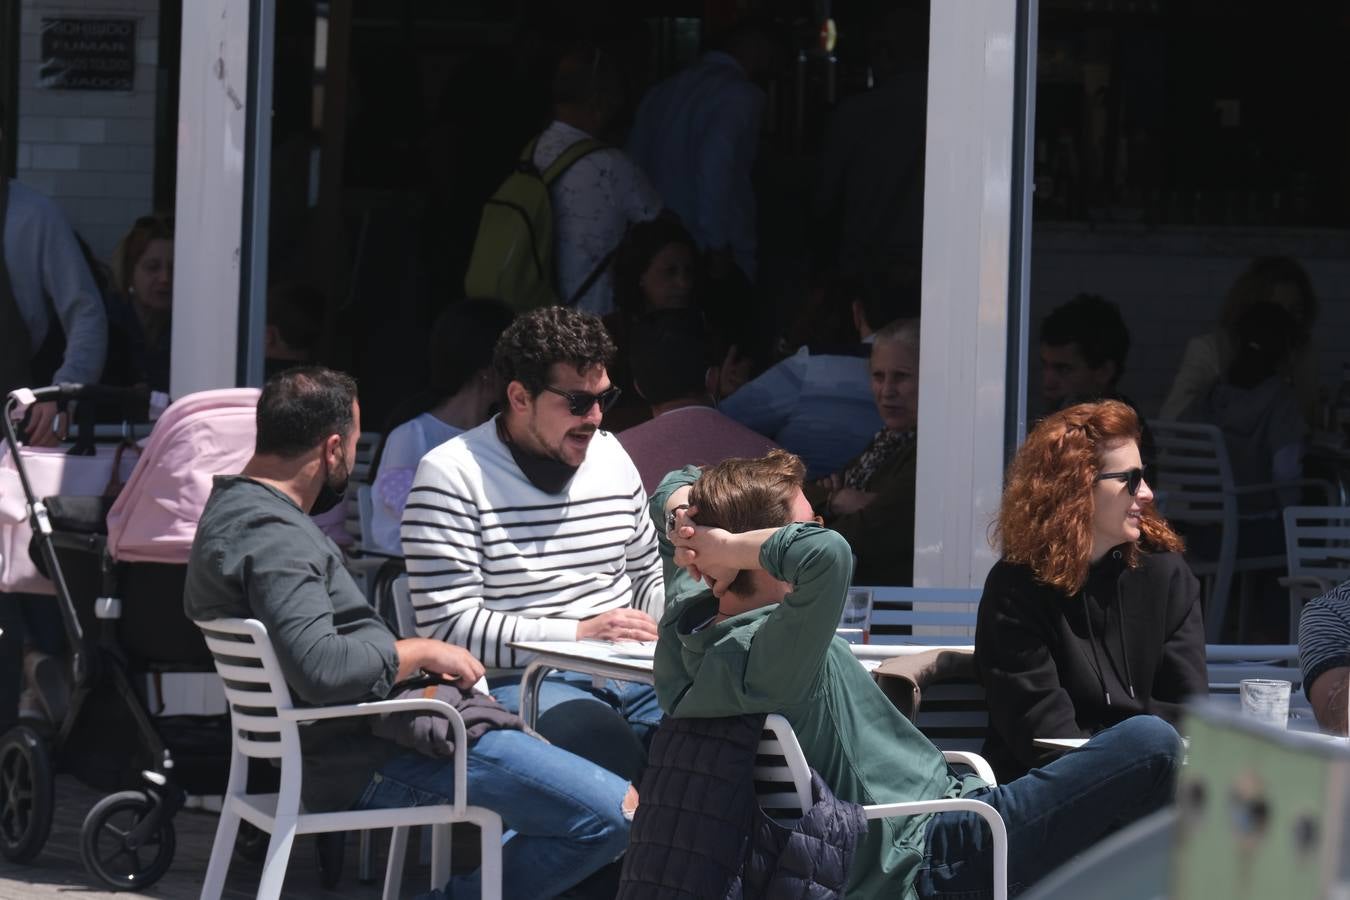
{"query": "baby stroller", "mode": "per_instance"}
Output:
(118, 575)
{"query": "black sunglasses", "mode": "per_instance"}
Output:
(580, 402)
(1132, 478)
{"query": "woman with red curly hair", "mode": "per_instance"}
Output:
(1091, 616)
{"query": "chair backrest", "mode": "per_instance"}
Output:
(782, 777)
(1193, 478)
(357, 523)
(254, 688)
(1317, 542)
(911, 615)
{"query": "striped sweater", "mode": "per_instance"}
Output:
(492, 559)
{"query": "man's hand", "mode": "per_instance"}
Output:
(618, 625)
(451, 661)
(39, 431)
(704, 552)
(733, 373)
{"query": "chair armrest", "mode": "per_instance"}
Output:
(958, 804)
(410, 704)
(975, 761)
(1270, 487)
(1309, 583)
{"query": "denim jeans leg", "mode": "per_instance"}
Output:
(635, 702)
(1055, 812)
(562, 816)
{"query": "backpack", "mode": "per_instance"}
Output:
(513, 254)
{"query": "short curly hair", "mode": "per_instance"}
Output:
(552, 334)
(1045, 520)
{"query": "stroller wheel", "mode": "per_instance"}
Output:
(27, 798)
(104, 843)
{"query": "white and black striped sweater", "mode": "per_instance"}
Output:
(493, 559)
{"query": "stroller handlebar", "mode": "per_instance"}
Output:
(97, 393)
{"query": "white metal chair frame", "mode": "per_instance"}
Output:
(1195, 484)
(1317, 552)
(264, 724)
(787, 765)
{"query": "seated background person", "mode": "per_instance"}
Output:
(461, 391)
(871, 501)
(818, 402)
(1272, 279)
(533, 526)
(761, 639)
(1257, 409)
(674, 370)
(1084, 345)
(1091, 616)
(1324, 649)
(257, 554)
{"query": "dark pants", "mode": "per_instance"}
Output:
(1055, 812)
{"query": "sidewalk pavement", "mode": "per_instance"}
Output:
(58, 872)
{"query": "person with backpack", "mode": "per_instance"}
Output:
(550, 231)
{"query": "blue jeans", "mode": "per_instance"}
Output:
(562, 816)
(1055, 812)
(636, 703)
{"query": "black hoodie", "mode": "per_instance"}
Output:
(1057, 666)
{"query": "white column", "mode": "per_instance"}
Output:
(968, 186)
(212, 132)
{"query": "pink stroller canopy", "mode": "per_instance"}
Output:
(198, 437)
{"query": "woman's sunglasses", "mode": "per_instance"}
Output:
(580, 402)
(1132, 478)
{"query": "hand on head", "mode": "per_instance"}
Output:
(702, 551)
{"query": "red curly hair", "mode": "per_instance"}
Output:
(1045, 521)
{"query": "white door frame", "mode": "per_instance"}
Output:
(975, 163)
(220, 214)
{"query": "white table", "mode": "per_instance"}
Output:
(632, 661)
(622, 661)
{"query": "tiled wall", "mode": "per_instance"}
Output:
(1170, 284)
(90, 151)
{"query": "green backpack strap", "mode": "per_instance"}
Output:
(574, 152)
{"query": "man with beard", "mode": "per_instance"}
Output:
(532, 526)
(257, 554)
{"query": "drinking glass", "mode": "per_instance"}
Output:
(855, 622)
(1266, 700)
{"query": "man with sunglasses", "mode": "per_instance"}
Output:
(532, 526)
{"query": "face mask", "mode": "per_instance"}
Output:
(332, 492)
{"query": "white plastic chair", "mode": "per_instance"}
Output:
(1317, 551)
(264, 724)
(785, 765)
(1194, 484)
(913, 615)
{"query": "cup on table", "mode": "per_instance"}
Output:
(855, 622)
(1266, 700)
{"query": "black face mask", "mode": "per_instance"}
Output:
(332, 492)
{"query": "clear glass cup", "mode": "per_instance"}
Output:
(1266, 700)
(855, 622)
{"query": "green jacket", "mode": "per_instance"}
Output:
(786, 659)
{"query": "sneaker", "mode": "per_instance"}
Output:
(30, 708)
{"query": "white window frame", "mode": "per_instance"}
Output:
(973, 334)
